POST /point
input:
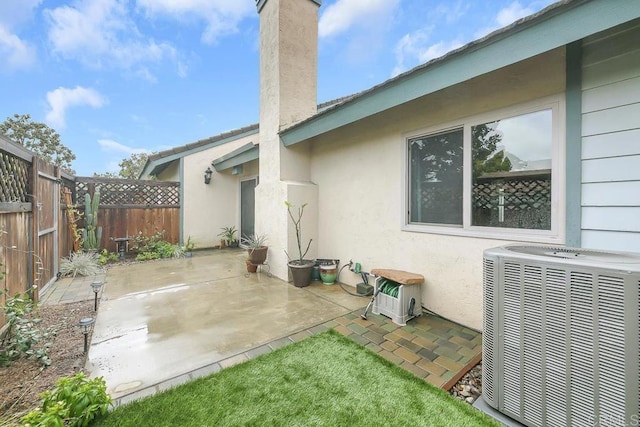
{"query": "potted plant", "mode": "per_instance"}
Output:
(229, 236)
(256, 248)
(188, 248)
(251, 267)
(300, 268)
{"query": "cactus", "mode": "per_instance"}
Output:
(92, 233)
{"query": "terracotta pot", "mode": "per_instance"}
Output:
(251, 268)
(301, 273)
(258, 255)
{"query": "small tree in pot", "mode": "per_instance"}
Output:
(300, 268)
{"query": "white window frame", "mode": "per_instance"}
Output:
(558, 176)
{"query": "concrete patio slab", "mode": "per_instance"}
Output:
(162, 320)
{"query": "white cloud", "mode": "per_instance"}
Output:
(100, 33)
(506, 16)
(221, 16)
(109, 145)
(14, 13)
(16, 53)
(344, 14)
(415, 48)
(63, 98)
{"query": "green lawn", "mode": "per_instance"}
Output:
(325, 380)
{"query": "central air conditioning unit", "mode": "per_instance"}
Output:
(562, 335)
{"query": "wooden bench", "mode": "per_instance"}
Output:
(408, 304)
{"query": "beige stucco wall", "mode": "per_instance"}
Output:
(171, 172)
(359, 171)
(288, 78)
(208, 208)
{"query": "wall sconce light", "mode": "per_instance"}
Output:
(85, 324)
(207, 175)
(96, 288)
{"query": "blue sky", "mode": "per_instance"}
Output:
(115, 77)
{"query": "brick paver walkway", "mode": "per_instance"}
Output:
(432, 348)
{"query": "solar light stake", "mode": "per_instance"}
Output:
(84, 324)
(96, 288)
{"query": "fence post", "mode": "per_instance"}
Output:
(34, 240)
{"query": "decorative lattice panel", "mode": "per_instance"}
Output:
(525, 203)
(14, 178)
(115, 192)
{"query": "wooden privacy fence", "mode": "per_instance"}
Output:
(39, 203)
(34, 235)
(130, 206)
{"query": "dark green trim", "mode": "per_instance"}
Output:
(242, 155)
(556, 26)
(573, 194)
(181, 180)
(159, 162)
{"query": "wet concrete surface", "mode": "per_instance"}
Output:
(159, 320)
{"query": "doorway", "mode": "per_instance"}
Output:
(247, 206)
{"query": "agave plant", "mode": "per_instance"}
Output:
(82, 263)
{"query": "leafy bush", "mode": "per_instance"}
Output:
(74, 401)
(108, 257)
(82, 263)
(140, 243)
(154, 247)
(23, 337)
(147, 256)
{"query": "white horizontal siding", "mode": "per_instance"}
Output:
(626, 117)
(611, 218)
(610, 96)
(611, 140)
(611, 44)
(611, 194)
(611, 240)
(615, 70)
(611, 144)
(625, 168)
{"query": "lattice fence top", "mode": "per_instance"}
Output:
(518, 194)
(14, 178)
(124, 192)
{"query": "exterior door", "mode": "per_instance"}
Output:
(247, 207)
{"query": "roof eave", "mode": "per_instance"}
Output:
(558, 26)
(239, 156)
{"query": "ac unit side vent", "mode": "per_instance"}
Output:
(611, 397)
(488, 331)
(562, 335)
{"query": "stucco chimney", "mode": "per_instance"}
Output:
(288, 79)
(288, 85)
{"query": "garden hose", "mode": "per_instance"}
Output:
(364, 279)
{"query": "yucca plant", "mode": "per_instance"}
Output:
(82, 263)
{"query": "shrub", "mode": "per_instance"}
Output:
(82, 263)
(140, 243)
(23, 337)
(108, 257)
(74, 401)
(154, 247)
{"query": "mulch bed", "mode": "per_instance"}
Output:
(23, 381)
